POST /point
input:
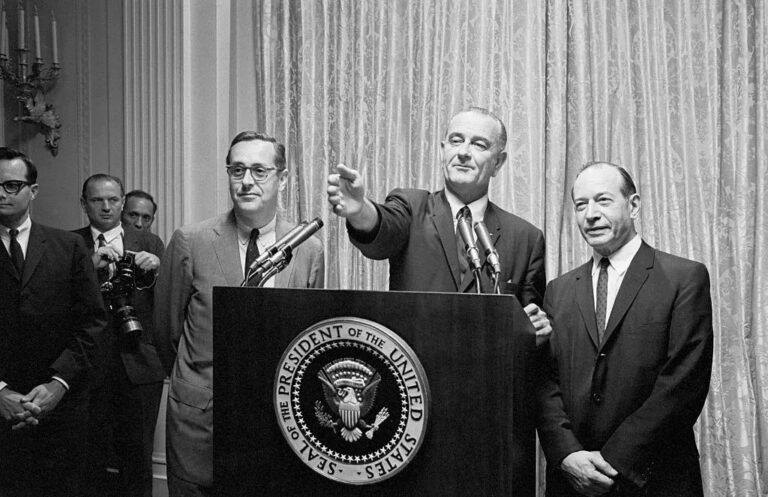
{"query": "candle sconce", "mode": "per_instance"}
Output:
(30, 93)
(31, 84)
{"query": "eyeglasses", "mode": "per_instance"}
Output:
(13, 187)
(259, 173)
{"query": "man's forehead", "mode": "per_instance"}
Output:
(474, 123)
(253, 150)
(598, 179)
(102, 186)
(14, 167)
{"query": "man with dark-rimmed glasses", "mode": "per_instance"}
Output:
(218, 252)
(50, 317)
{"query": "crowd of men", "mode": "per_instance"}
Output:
(626, 339)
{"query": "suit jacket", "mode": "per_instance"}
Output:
(141, 362)
(51, 315)
(636, 396)
(199, 257)
(416, 234)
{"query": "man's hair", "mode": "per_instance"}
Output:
(8, 153)
(102, 177)
(141, 194)
(486, 112)
(627, 184)
(245, 136)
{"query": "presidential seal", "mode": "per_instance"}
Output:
(352, 400)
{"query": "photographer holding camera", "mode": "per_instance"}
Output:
(127, 392)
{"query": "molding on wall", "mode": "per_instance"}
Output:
(83, 93)
(154, 113)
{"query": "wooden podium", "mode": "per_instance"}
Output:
(478, 355)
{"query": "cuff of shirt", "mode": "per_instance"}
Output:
(66, 385)
(3, 385)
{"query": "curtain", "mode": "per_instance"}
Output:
(674, 91)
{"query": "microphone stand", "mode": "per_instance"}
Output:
(478, 284)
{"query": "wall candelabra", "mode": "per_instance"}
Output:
(31, 82)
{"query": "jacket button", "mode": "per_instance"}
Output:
(597, 398)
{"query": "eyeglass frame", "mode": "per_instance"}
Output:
(268, 172)
(21, 184)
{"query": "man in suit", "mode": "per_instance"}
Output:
(127, 395)
(416, 229)
(50, 317)
(217, 252)
(631, 356)
(139, 210)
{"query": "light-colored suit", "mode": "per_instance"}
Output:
(199, 257)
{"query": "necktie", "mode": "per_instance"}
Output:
(17, 256)
(602, 297)
(464, 212)
(252, 252)
(102, 273)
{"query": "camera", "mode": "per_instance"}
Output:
(118, 295)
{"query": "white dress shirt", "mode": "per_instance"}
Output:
(619, 263)
(267, 238)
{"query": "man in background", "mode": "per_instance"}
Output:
(50, 318)
(631, 356)
(218, 252)
(127, 395)
(416, 229)
(139, 210)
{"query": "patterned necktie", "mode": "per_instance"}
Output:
(464, 212)
(253, 250)
(17, 255)
(602, 297)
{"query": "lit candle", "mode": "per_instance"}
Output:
(22, 25)
(36, 23)
(3, 44)
(55, 43)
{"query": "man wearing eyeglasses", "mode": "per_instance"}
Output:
(218, 252)
(50, 319)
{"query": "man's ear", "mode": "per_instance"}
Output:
(634, 206)
(500, 160)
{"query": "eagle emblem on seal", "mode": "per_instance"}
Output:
(349, 386)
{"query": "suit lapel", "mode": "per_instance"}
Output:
(130, 240)
(586, 300)
(225, 244)
(35, 250)
(283, 277)
(443, 222)
(637, 274)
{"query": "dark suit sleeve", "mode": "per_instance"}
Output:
(554, 425)
(535, 277)
(391, 235)
(172, 293)
(88, 318)
(682, 384)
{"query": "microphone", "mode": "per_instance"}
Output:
(264, 256)
(282, 256)
(491, 255)
(469, 242)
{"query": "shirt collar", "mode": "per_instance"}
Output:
(244, 231)
(110, 235)
(24, 226)
(477, 207)
(621, 259)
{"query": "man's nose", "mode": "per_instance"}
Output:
(464, 150)
(105, 206)
(138, 223)
(592, 211)
(248, 180)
